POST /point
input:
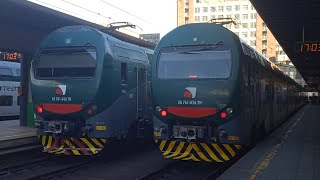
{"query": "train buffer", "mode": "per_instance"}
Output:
(290, 152)
(14, 138)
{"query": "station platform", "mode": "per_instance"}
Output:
(292, 151)
(14, 137)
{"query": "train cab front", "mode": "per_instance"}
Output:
(195, 104)
(64, 84)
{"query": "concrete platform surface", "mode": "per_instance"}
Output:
(291, 152)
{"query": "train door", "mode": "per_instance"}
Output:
(141, 92)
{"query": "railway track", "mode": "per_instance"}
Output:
(187, 170)
(44, 168)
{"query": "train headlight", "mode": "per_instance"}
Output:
(229, 110)
(158, 108)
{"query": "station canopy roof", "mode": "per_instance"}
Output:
(24, 24)
(296, 26)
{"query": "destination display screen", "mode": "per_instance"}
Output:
(10, 56)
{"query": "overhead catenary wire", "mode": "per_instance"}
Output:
(83, 8)
(104, 1)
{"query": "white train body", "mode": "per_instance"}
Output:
(9, 83)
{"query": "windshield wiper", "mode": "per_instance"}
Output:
(207, 47)
(210, 47)
(187, 52)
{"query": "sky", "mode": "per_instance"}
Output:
(152, 16)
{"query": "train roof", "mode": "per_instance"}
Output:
(111, 32)
(10, 64)
(128, 38)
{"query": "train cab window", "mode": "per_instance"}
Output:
(6, 100)
(5, 72)
(67, 62)
(195, 62)
(124, 70)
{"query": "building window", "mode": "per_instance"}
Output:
(205, 9)
(212, 17)
(198, 1)
(237, 16)
(252, 8)
(254, 16)
(252, 34)
(220, 16)
(264, 25)
(245, 25)
(213, 9)
(229, 16)
(245, 7)
(237, 7)
(252, 43)
(186, 11)
(236, 26)
(245, 34)
(220, 8)
(253, 25)
(244, 16)
(228, 8)
(264, 52)
(204, 18)
(197, 18)
(197, 10)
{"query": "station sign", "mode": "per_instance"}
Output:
(10, 56)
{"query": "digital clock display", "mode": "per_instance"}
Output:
(308, 47)
(10, 56)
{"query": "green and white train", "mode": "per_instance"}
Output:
(89, 88)
(213, 94)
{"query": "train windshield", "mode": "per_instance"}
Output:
(195, 62)
(67, 62)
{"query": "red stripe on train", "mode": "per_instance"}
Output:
(192, 112)
(62, 108)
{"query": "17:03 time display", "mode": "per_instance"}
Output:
(10, 56)
(310, 47)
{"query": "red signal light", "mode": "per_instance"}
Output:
(223, 115)
(89, 111)
(39, 109)
(163, 113)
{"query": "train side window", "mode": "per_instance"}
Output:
(5, 72)
(124, 71)
(6, 100)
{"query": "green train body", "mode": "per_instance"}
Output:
(88, 87)
(213, 94)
